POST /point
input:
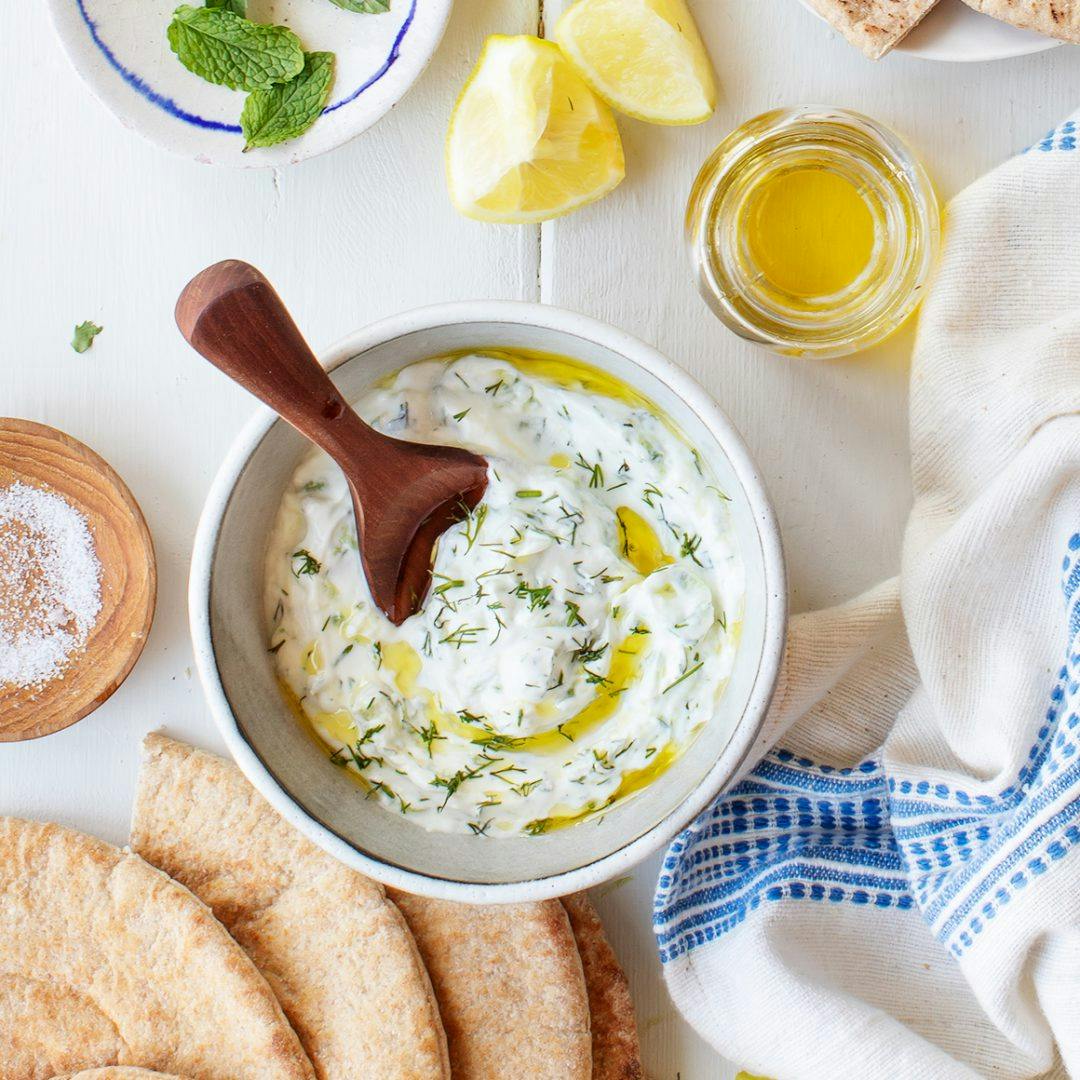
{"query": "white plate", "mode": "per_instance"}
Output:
(954, 32)
(120, 49)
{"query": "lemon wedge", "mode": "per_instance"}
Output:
(528, 139)
(645, 57)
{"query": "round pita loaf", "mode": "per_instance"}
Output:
(106, 960)
(874, 26)
(336, 952)
(616, 1054)
(510, 987)
(117, 1072)
(1055, 18)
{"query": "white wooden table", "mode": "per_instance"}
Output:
(95, 224)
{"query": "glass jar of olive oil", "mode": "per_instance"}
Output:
(813, 231)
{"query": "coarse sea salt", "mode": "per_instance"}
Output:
(50, 585)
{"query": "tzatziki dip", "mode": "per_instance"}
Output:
(582, 621)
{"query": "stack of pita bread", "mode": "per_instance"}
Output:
(875, 26)
(284, 964)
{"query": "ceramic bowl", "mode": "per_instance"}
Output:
(955, 33)
(293, 772)
(120, 49)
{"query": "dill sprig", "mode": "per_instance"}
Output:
(428, 734)
(685, 675)
(308, 563)
(588, 652)
(573, 614)
(463, 635)
(474, 522)
(690, 545)
(498, 741)
(595, 471)
(538, 596)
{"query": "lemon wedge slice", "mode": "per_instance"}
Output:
(528, 139)
(645, 57)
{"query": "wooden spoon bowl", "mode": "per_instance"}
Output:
(43, 457)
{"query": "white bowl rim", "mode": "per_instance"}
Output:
(743, 736)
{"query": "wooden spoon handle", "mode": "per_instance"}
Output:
(231, 315)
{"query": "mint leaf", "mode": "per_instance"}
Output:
(284, 112)
(237, 7)
(85, 333)
(364, 7)
(226, 49)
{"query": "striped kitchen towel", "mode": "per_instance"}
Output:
(894, 890)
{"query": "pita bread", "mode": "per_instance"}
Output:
(874, 26)
(510, 987)
(105, 960)
(616, 1054)
(1055, 18)
(336, 952)
(117, 1072)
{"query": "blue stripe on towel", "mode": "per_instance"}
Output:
(801, 830)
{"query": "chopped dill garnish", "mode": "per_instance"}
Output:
(497, 741)
(452, 783)
(362, 761)
(588, 652)
(651, 492)
(596, 472)
(478, 828)
(314, 485)
(274, 648)
(538, 597)
(573, 614)
(495, 387)
(467, 717)
(377, 649)
(474, 522)
(459, 416)
(528, 493)
(463, 635)
(685, 675)
(308, 563)
(640, 630)
(537, 826)
(428, 735)
(690, 545)
(447, 584)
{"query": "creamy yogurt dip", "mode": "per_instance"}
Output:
(582, 621)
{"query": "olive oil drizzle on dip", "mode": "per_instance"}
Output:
(582, 621)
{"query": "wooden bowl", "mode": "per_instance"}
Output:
(43, 457)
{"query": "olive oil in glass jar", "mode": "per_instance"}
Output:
(813, 231)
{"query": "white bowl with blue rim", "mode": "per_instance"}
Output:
(120, 49)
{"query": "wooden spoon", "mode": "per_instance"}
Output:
(405, 495)
(43, 457)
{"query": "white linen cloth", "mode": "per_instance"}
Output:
(895, 891)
